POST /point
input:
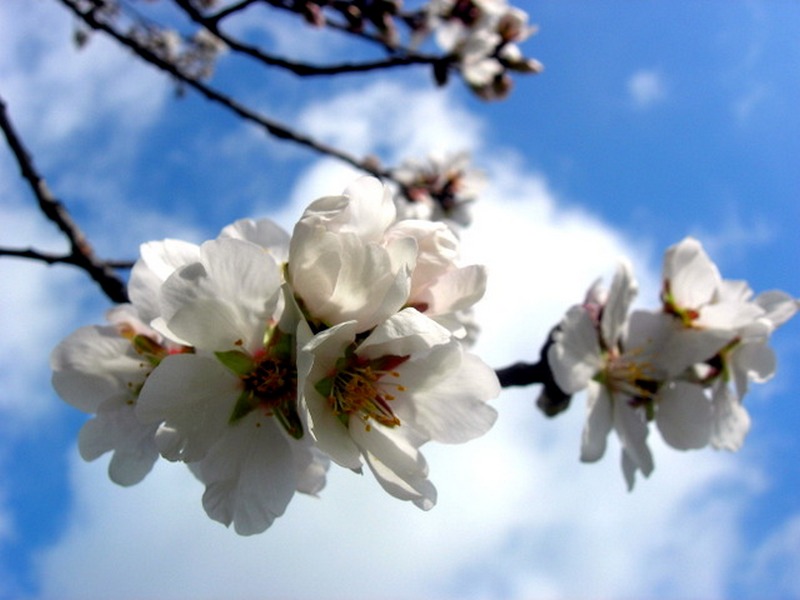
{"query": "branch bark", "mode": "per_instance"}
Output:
(302, 69)
(273, 128)
(81, 252)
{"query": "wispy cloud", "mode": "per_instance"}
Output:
(776, 562)
(646, 88)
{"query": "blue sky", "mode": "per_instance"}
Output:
(653, 120)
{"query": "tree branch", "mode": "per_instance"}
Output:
(53, 259)
(81, 253)
(302, 69)
(229, 10)
(271, 127)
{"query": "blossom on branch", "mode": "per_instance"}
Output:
(685, 367)
(482, 36)
(379, 399)
(101, 370)
(257, 359)
(438, 189)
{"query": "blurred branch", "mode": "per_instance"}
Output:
(89, 17)
(304, 69)
(552, 399)
(81, 253)
(229, 10)
(53, 259)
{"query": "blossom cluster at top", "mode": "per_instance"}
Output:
(483, 36)
(685, 366)
(258, 358)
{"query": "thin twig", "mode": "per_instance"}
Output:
(229, 10)
(82, 254)
(302, 69)
(272, 127)
(56, 259)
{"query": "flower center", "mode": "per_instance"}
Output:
(633, 377)
(272, 383)
(269, 383)
(364, 388)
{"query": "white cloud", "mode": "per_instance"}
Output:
(387, 118)
(646, 88)
(751, 100)
(776, 563)
(53, 96)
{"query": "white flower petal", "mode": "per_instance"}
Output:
(684, 416)
(575, 357)
(116, 428)
(620, 296)
(730, 420)
(778, 306)
(237, 272)
(249, 475)
(452, 409)
(402, 334)
(632, 430)
(396, 463)
(158, 261)
(728, 315)
(599, 421)
(194, 396)
(455, 290)
(262, 232)
(752, 361)
(692, 277)
(94, 363)
(316, 358)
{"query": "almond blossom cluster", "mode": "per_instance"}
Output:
(483, 36)
(259, 358)
(440, 188)
(685, 366)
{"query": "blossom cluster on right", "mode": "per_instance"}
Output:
(685, 366)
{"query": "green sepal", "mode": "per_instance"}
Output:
(237, 361)
(149, 348)
(280, 344)
(325, 386)
(245, 404)
(289, 419)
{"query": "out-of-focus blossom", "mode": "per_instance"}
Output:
(440, 188)
(685, 367)
(482, 37)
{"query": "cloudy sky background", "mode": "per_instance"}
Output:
(652, 121)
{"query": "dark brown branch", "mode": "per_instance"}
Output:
(552, 400)
(81, 253)
(272, 127)
(229, 10)
(54, 259)
(302, 69)
(326, 22)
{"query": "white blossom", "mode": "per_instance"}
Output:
(341, 268)
(229, 408)
(377, 400)
(101, 370)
